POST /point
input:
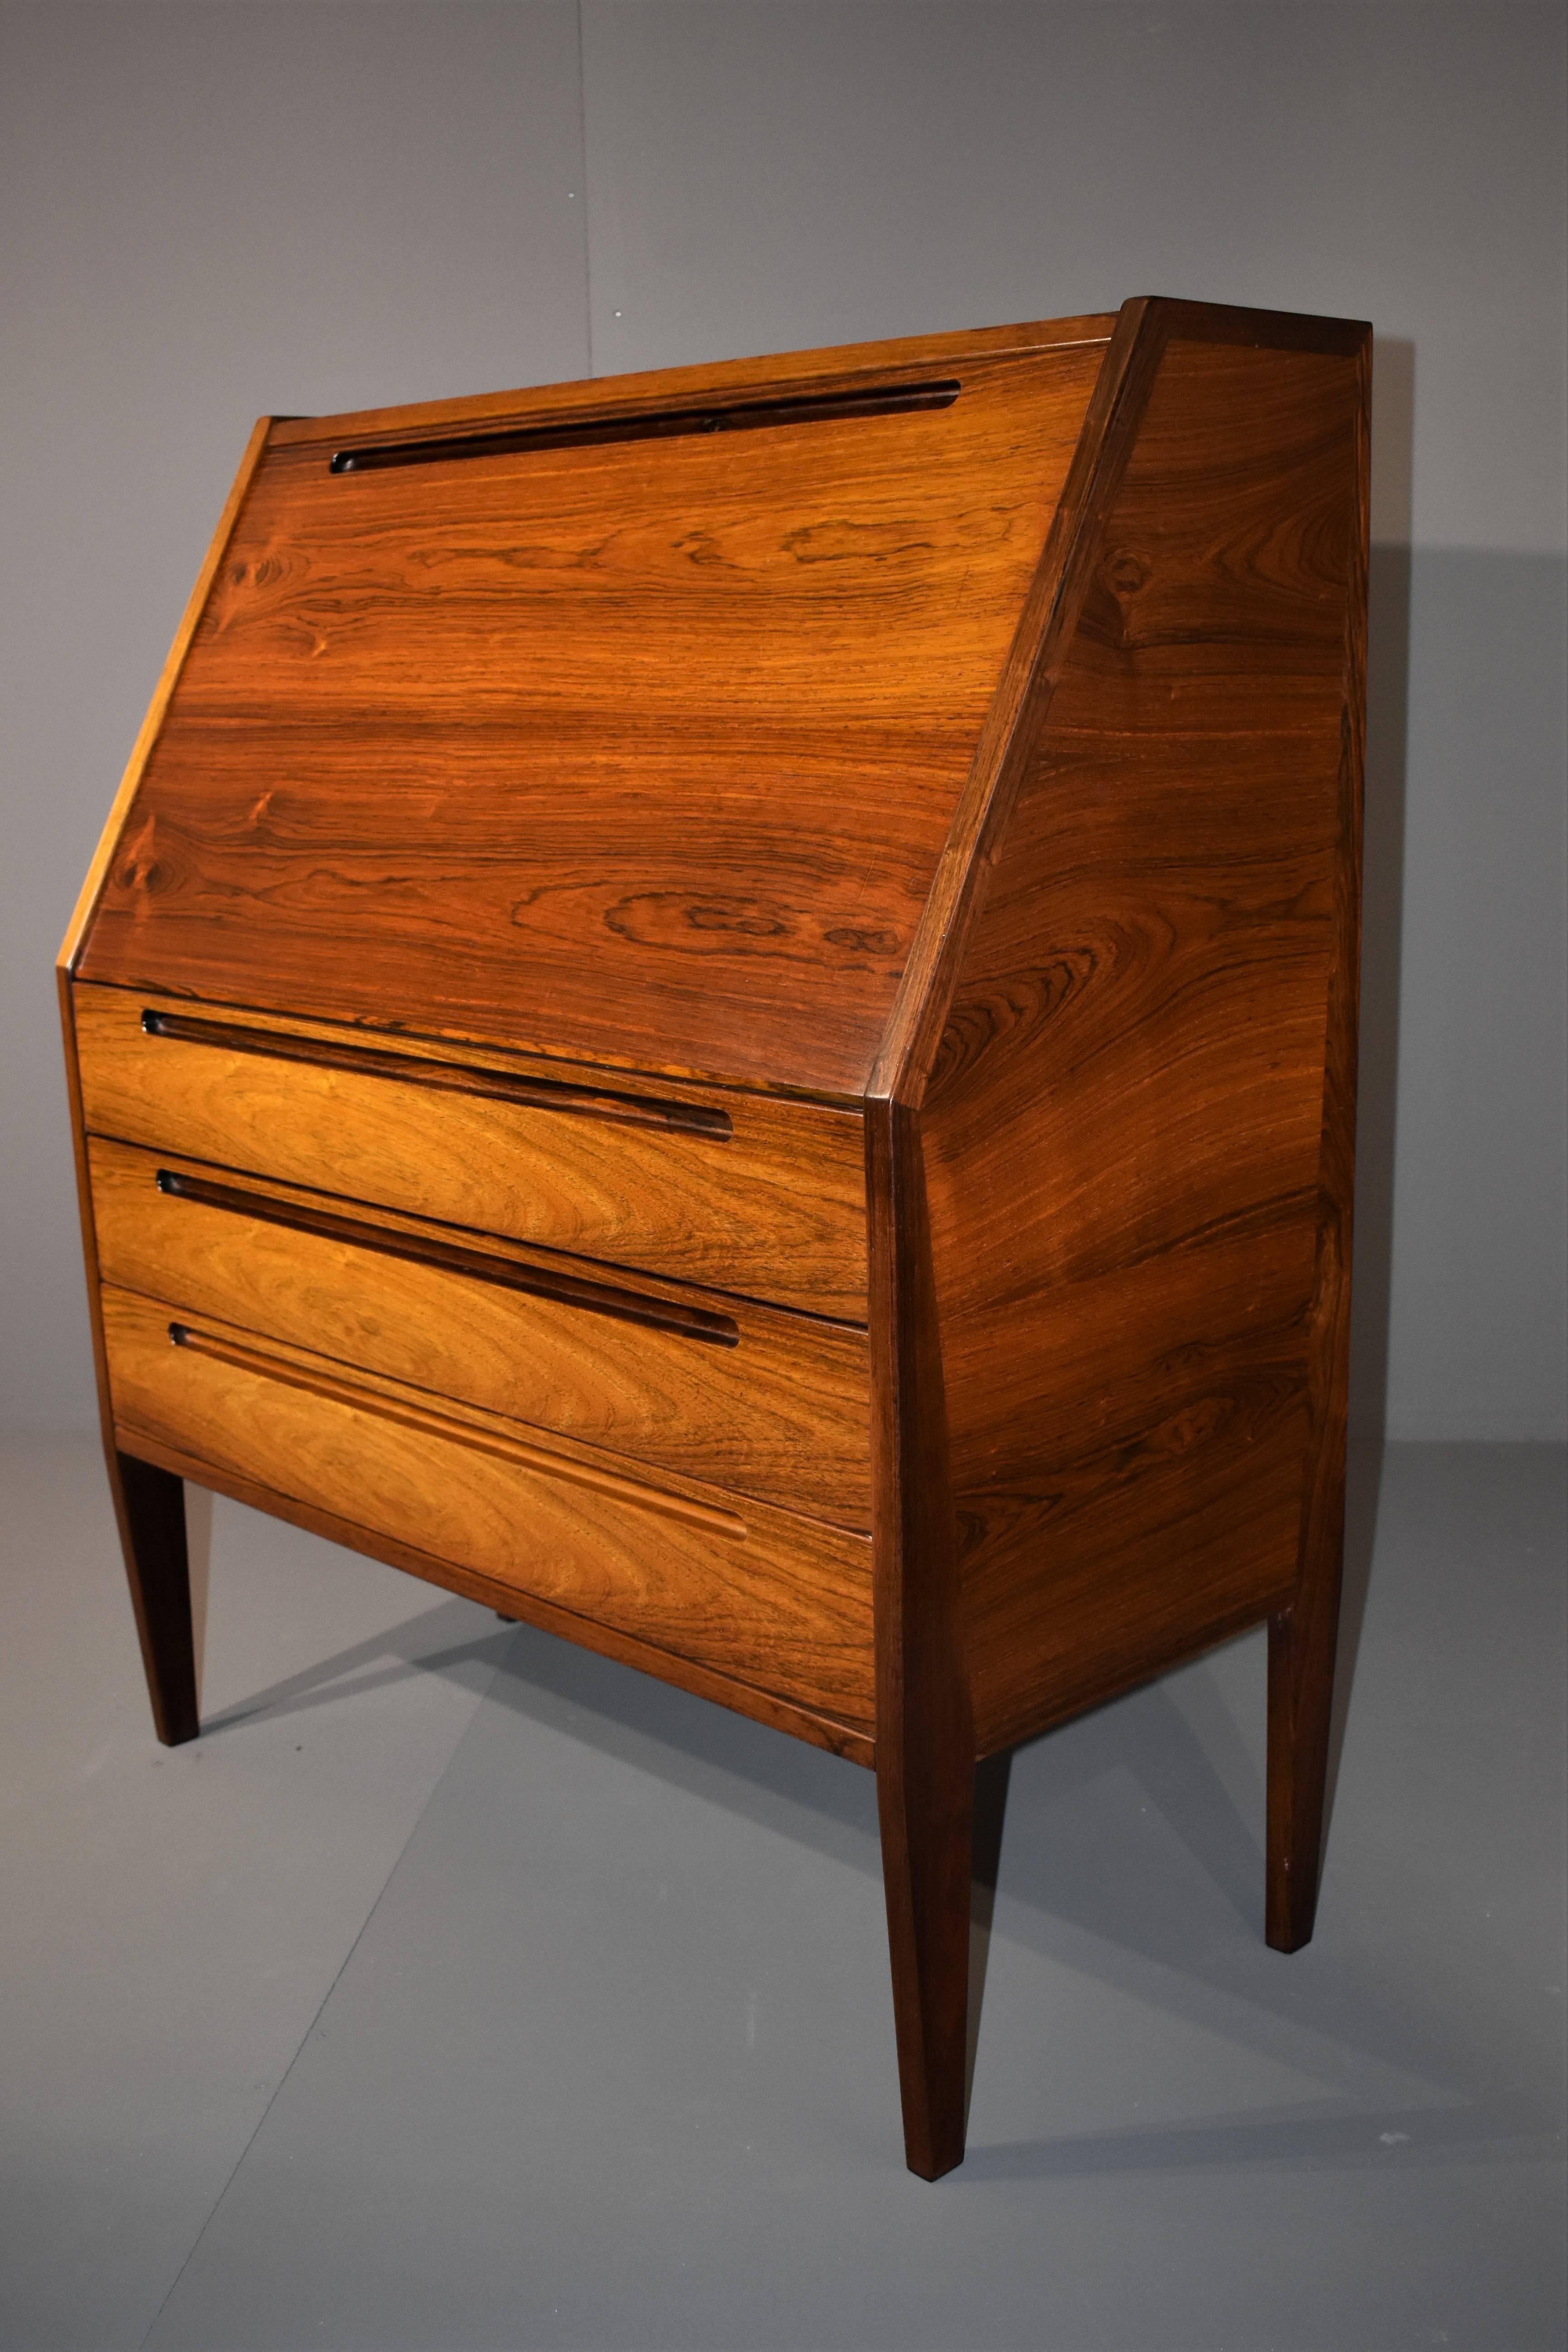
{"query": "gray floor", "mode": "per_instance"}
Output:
(459, 1989)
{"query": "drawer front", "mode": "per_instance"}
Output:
(776, 1602)
(740, 1396)
(731, 1191)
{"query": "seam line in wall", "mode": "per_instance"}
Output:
(583, 145)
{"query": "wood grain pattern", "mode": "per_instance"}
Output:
(671, 422)
(218, 1345)
(1048, 630)
(769, 1599)
(775, 1210)
(1129, 1480)
(1123, 1122)
(834, 367)
(852, 1741)
(783, 1413)
(456, 1074)
(423, 750)
(1045, 631)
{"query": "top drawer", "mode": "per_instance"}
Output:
(733, 1191)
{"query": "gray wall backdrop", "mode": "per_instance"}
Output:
(210, 208)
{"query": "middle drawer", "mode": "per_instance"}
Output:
(745, 1397)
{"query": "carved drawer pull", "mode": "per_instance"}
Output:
(450, 1257)
(451, 1077)
(460, 1432)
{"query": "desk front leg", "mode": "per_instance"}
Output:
(926, 1807)
(149, 1504)
(925, 1732)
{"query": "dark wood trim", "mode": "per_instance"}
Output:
(476, 1265)
(1041, 644)
(925, 1735)
(1303, 1638)
(843, 1739)
(453, 1077)
(150, 1507)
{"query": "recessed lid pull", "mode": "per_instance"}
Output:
(656, 424)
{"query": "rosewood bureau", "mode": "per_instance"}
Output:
(719, 1009)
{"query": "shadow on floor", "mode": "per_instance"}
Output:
(1125, 1847)
(423, 1644)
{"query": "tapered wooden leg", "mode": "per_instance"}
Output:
(1301, 1696)
(1302, 1639)
(150, 1507)
(925, 1734)
(927, 1836)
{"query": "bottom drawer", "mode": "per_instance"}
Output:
(778, 1602)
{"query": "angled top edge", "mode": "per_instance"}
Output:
(1231, 323)
(657, 386)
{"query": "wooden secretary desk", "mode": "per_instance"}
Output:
(719, 1009)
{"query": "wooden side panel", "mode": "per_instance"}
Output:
(770, 1404)
(753, 1593)
(1124, 1120)
(647, 747)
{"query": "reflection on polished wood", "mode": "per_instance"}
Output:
(756, 1593)
(776, 1208)
(781, 1413)
(719, 1009)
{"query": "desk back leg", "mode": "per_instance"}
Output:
(149, 1504)
(1301, 1694)
(1302, 1642)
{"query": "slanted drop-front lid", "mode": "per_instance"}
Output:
(624, 721)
